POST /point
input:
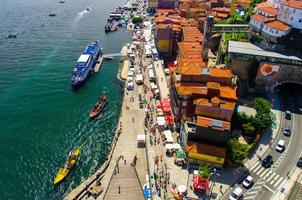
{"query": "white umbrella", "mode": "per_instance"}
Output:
(169, 146)
(181, 188)
(176, 146)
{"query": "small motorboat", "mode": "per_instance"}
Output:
(52, 14)
(69, 164)
(98, 107)
(88, 9)
(12, 35)
(61, 1)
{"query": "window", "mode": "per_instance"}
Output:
(300, 20)
(291, 19)
(277, 32)
(294, 10)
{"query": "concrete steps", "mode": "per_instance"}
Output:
(129, 183)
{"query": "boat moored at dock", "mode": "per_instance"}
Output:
(85, 64)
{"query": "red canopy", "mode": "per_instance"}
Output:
(158, 106)
(168, 118)
(167, 110)
(165, 102)
(201, 184)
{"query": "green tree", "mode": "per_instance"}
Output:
(137, 20)
(249, 129)
(237, 152)
(262, 105)
(205, 171)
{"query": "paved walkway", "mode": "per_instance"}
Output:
(124, 184)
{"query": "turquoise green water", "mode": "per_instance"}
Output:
(41, 119)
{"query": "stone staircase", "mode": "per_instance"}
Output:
(129, 183)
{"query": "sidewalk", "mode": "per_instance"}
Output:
(286, 188)
(230, 177)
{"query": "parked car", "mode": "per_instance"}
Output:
(299, 163)
(280, 146)
(287, 131)
(248, 181)
(288, 115)
(267, 162)
(236, 194)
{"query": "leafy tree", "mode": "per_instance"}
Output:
(249, 129)
(137, 20)
(237, 152)
(262, 105)
(262, 121)
(226, 59)
(205, 171)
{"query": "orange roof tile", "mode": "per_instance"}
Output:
(229, 105)
(189, 89)
(278, 25)
(267, 8)
(205, 149)
(244, 1)
(225, 73)
(228, 92)
(208, 122)
(293, 4)
(258, 18)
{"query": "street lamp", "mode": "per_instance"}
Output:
(212, 185)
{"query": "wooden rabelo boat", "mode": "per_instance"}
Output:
(98, 107)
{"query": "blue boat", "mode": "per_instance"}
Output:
(85, 64)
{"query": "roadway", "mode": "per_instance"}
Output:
(269, 181)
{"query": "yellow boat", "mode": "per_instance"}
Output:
(69, 164)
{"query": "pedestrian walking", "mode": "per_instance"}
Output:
(125, 162)
(133, 119)
(119, 189)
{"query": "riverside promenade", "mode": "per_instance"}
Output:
(131, 124)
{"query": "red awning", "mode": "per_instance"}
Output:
(168, 118)
(167, 110)
(158, 106)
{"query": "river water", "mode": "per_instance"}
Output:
(41, 119)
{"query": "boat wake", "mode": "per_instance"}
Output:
(79, 16)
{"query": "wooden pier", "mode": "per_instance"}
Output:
(98, 64)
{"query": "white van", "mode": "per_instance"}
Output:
(280, 146)
(236, 194)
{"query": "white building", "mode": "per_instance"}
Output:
(276, 18)
(275, 29)
(290, 12)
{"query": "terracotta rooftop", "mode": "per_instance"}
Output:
(226, 73)
(267, 8)
(244, 1)
(183, 89)
(213, 123)
(222, 9)
(227, 92)
(278, 25)
(258, 18)
(189, 61)
(229, 105)
(213, 72)
(189, 49)
(191, 34)
(205, 149)
(293, 4)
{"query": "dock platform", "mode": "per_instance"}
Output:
(98, 64)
